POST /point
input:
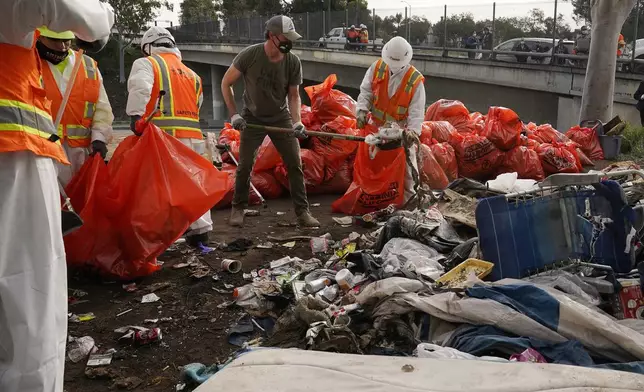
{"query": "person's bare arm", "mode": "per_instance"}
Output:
(294, 103)
(230, 78)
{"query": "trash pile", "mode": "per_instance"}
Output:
(485, 146)
(327, 163)
(414, 286)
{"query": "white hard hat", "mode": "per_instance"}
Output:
(158, 35)
(352, 27)
(397, 53)
(362, 26)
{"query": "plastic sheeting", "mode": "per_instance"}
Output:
(410, 256)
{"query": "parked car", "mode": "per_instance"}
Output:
(337, 39)
(546, 44)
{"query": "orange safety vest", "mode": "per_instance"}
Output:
(75, 125)
(395, 108)
(25, 117)
(180, 105)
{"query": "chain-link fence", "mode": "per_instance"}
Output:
(540, 32)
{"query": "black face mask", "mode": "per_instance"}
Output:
(53, 56)
(284, 46)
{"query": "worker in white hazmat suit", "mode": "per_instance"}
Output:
(162, 70)
(86, 125)
(33, 275)
(393, 91)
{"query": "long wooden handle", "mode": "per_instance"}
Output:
(68, 90)
(311, 133)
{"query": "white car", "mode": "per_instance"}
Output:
(337, 39)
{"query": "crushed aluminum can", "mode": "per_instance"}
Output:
(152, 335)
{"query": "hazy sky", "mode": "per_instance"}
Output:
(481, 9)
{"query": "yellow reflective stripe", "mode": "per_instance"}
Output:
(165, 83)
(412, 81)
(90, 108)
(12, 127)
(91, 71)
(26, 117)
(401, 110)
(381, 68)
(27, 107)
(379, 114)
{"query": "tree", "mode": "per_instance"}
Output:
(599, 87)
(130, 18)
(418, 27)
(195, 11)
(581, 10)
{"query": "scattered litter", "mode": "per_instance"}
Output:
(158, 286)
(289, 245)
(280, 213)
(251, 213)
(282, 262)
(79, 318)
(529, 355)
(79, 348)
(78, 293)
(150, 321)
(149, 298)
(199, 271)
(196, 373)
(265, 245)
(229, 286)
(180, 241)
(344, 221)
(315, 205)
(456, 277)
(232, 266)
(181, 265)
(238, 245)
(247, 276)
(349, 248)
(319, 245)
(128, 383)
(216, 278)
(130, 287)
(124, 312)
(100, 373)
(345, 279)
(291, 238)
(225, 304)
(139, 336)
(180, 387)
(99, 360)
(317, 285)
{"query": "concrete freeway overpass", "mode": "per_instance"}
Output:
(539, 93)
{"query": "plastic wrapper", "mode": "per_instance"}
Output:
(503, 128)
(446, 158)
(588, 141)
(230, 137)
(440, 131)
(431, 172)
(529, 355)
(312, 166)
(226, 201)
(558, 158)
(267, 157)
(156, 188)
(377, 182)
(477, 157)
(336, 151)
(525, 162)
(451, 111)
(328, 103)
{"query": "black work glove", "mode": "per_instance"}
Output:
(92, 47)
(133, 120)
(100, 148)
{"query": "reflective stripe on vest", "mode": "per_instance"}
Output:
(409, 81)
(18, 116)
(74, 132)
(168, 122)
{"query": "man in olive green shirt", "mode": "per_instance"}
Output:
(272, 75)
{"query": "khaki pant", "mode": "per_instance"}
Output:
(287, 146)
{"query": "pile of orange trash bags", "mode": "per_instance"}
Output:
(134, 208)
(483, 146)
(327, 163)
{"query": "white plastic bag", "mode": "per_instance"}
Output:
(404, 254)
(428, 350)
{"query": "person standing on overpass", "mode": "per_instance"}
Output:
(162, 69)
(33, 272)
(272, 77)
(364, 36)
(393, 90)
(86, 125)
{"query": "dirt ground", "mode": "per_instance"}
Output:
(198, 329)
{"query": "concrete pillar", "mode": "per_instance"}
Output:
(219, 112)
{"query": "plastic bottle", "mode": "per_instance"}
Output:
(345, 279)
(317, 285)
(243, 293)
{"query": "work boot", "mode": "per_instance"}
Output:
(305, 219)
(236, 217)
(195, 240)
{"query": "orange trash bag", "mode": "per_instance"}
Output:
(525, 162)
(451, 111)
(312, 166)
(477, 157)
(530, 143)
(446, 158)
(335, 152)
(338, 184)
(230, 137)
(588, 141)
(431, 172)
(547, 134)
(157, 188)
(377, 182)
(266, 157)
(328, 103)
(503, 127)
(559, 158)
(438, 130)
(478, 122)
(226, 201)
(87, 191)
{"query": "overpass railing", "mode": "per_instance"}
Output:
(489, 31)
